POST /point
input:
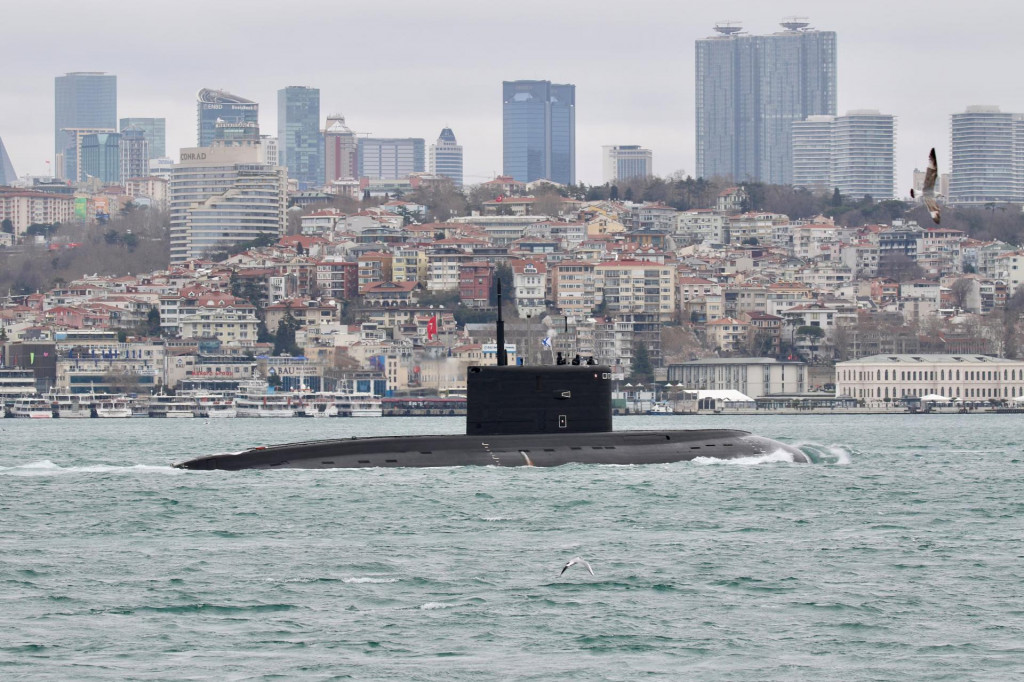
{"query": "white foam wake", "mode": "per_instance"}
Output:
(825, 454)
(779, 455)
(47, 468)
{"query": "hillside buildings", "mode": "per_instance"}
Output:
(299, 139)
(854, 153)
(749, 92)
(625, 161)
(82, 100)
(446, 157)
(539, 131)
(220, 105)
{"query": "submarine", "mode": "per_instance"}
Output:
(541, 416)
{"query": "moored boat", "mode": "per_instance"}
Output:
(32, 408)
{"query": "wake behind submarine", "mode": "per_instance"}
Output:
(540, 416)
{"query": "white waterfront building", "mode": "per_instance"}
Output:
(966, 377)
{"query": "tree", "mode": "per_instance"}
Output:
(7, 226)
(284, 340)
(153, 322)
(503, 274)
(613, 193)
(643, 371)
(959, 291)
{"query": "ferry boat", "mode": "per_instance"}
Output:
(113, 407)
(321, 405)
(271, 405)
(16, 383)
(32, 408)
(72, 405)
(214, 406)
(358, 406)
(171, 407)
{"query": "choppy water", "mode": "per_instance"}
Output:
(898, 554)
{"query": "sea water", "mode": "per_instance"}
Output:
(897, 554)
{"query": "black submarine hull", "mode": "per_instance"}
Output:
(539, 450)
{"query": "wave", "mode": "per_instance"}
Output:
(47, 468)
(769, 458)
(825, 454)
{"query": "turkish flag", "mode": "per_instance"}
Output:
(432, 327)
(501, 198)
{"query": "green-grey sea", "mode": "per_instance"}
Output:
(897, 555)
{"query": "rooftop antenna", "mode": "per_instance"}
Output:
(795, 23)
(502, 356)
(728, 27)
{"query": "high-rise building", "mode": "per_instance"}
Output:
(341, 151)
(134, 153)
(155, 130)
(85, 99)
(390, 158)
(300, 142)
(987, 164)
(218, 105)
(7, 174)
(446, 157)
(625, 161)
(70, 161)
(223, 195)
(854, 153)
(539, 131)
(101, 157)
(749, 92)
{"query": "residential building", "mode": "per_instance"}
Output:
(529, 281)
(881, 379)
(539, 131)
(27, 207)
(573, 288)
(220, 105)
(854, 153)
(987, 164)
(727, 334)
(626, 161)
(222, 195)
(84, 99)
(300, 143)
(155, 131)
(390, 158)
(475, 282)
(341, 151)
(750, 90)
(637, 287)
(446, 157)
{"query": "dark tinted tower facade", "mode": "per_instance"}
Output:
(539, 131)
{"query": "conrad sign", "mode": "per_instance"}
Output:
(192, 156)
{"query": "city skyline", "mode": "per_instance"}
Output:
(646, 98)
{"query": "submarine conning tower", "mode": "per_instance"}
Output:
(516, 400)
(538, 399)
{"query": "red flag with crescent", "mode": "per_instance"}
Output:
(432, 327)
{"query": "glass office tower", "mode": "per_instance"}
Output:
(155, 131)
(300, 142)
(84, 99)
(539, 131)
(214, 105)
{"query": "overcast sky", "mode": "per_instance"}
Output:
(401, 68)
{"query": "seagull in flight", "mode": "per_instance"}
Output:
(577, 560)
(928, 188)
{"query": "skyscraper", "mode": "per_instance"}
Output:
(625, 161)
(85, 99)
(101, 157)
(155, 130)
(750, 90)
(391, 158)
(7, 174)
(214, 105)
(341, 152)
(539, 131)
(298, 134)
(446, 157)
(854, 153)
(134, 153)
(988, 157)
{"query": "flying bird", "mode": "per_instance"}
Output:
(928, 188)
(577, 560)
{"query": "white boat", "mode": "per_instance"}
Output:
(32, 408)
(171, 407)
(113, 407)
(271, 405)
(321, 405)
(214, 406)
(72, 405)
(358, 406)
